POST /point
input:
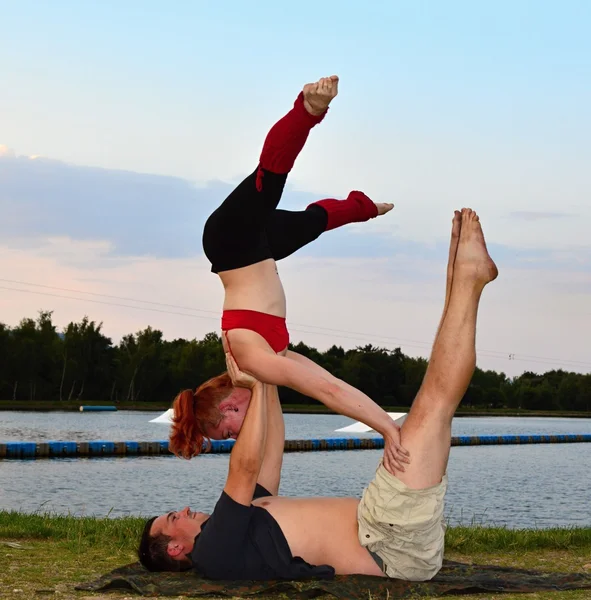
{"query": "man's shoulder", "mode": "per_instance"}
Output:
(225, 518)
(223, 533)
(226, 504)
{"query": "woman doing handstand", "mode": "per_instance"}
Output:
(243, 239)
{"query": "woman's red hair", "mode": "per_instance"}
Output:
(194, 411)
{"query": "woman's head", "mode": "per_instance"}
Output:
(215, 410)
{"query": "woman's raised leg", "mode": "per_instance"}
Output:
(288, 231)
(234, 225)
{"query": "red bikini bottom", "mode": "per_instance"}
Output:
(270, 327)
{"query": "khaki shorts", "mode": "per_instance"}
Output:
(403, 528)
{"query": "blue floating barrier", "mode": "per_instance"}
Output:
(13, 450)
(21, 449)
(63, 449)
(91, 408)
(487, 439)
(56, 448)
(149, 448)
(42, 450)
(59, 449)
(101, 448)
(29, 450)
(221, 446)
(132, 447)
(164, 447)
(460, 440)
(119, 448)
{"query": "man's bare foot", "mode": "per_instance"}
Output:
(383, 207)
(473, 262)
(317, 96)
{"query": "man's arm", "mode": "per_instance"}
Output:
(248, 453)
(270, 473)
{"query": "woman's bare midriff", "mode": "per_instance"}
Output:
(256, 287)
(322, 531)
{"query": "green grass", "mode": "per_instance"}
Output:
(53, 553)
(492, 539)
(113, 534)
(123, 532)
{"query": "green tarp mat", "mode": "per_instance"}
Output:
(454, 578)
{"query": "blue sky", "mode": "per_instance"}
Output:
(145, 112)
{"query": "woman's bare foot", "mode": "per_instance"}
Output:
(383, 207)
(473, 262)
(317, 96)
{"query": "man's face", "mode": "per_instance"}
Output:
(181, 526)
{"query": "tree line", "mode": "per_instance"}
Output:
(40, 363)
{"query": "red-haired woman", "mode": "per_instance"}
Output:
(243, 239)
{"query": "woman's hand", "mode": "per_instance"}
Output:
(238, 377)
(394, 454)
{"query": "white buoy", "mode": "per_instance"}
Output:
(165, 417)
(360, 427)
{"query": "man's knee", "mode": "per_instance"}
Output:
(429, 411)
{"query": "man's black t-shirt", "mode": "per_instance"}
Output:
(246, 542)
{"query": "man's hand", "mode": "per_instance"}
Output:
(394, 454)
(238, 377)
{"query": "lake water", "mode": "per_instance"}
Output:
(517, 486)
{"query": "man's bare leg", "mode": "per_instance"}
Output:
(426, 433)
(453, 248)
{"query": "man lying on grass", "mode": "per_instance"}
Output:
(396, 529)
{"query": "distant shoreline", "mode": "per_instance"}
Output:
(303, 409)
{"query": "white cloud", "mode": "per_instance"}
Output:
(6, 152)
(133, 241)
